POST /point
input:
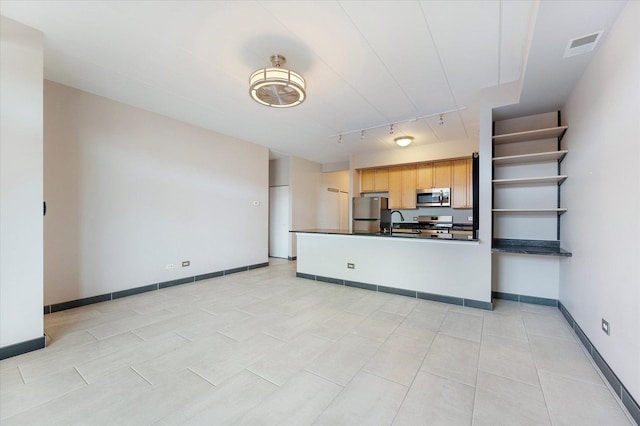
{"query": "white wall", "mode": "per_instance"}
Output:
(332, 207)
(447, 268)
(305, 177)
(279, 174)
(601, 279)
(21, 195)
(130, 191)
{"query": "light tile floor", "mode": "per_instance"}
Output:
(264, 347)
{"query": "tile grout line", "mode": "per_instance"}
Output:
(81, 375)
(535, 363)
(141, 376)
(21, 375)
(202, 377)
(421, 363)
(475, 388)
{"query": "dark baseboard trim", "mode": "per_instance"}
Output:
(400, 291)
(56, 307)
(22, 347)
(293, 258)
(617, 386)
(524, 299)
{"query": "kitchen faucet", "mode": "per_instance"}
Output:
(391, 220)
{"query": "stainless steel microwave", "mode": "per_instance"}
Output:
(433, 197)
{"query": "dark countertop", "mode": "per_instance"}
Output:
(537, 247)
(378, 234)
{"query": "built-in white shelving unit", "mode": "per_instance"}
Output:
(531, 158)
(531, 180)
(534, 146)
(530, 135)
(558, 210)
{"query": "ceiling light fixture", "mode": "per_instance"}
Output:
(403, 140)
(277, 87)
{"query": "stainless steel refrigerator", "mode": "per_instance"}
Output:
(370, 214)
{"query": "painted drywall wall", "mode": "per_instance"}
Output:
(130, 191)
(21, 193)
(420, 265)
(279, 172)
(334, 200)
(601, 279)
(306, 178)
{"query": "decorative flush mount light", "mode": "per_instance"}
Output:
(277, 87)
(403, 140)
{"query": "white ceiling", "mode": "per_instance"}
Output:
(367, 63)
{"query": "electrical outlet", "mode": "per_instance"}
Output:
(470, 218)
(169, 266)
(351, 265)
(605, 326)
(186, 263)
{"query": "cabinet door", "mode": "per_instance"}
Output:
(442, 174)
(469, 183)
(367, 180)
(459, 189)
(395, 187)
(425, 175)
(409, 187)
(381, 183)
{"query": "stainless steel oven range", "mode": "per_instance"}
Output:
(436, 226)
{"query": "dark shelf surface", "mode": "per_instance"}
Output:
(536, 247)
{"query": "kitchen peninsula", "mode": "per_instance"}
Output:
(434, 269)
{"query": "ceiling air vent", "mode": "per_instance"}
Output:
(580, 45)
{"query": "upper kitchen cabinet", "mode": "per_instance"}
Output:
(374, 180)
(434, 175)
(425, 175)
(402, 187)
(462, 187)
(442, 174)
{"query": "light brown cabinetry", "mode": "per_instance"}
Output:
(425, 175)
(461, 188)
(409, 187)
(434, 175)
(442, 174)
(402, 187)
(374, 180)
(401, 182)
(381, 183)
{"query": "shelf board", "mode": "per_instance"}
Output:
(530, 135)
(531, 158)
(557, 211)
(543, 179)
